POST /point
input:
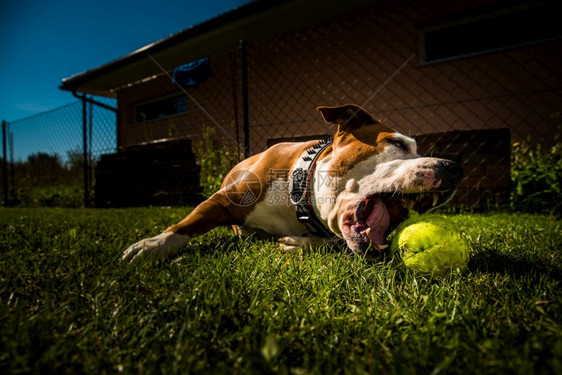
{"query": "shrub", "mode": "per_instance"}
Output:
(215, 158)
(536, 175)
(43, 180)
(50, 196)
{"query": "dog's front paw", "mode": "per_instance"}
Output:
(158, 247)
(289, 243)
(292, 243)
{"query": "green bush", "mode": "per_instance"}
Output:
(50, 196)
(44, 180)
(215, 159)
(536, 175)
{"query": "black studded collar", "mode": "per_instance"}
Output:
(300, 189)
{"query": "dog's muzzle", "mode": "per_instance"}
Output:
(367, 222)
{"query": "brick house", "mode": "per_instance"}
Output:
(467, 78)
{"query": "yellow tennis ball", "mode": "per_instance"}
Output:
(430, 244)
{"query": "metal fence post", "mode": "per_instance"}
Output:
(90, 137)
(245, 110)
(4, 163)
(85, 152)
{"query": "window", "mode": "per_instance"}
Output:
(161, 108)
(498, 30)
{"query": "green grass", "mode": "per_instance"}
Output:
(231, 306)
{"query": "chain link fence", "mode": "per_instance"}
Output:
(50, 157)
(460, 77)
(400, 61)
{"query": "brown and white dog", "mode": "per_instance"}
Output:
(356, 187)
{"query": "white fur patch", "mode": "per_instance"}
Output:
(274, 215)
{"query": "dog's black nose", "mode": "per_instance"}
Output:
(452, 170)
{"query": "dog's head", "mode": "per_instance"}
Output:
(375, 177)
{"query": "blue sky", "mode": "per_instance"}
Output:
(44, 41)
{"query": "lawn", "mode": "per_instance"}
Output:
(244, 306)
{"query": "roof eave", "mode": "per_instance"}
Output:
(254, 21)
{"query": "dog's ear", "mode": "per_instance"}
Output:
(347, 116)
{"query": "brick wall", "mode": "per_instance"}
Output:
(351, 60)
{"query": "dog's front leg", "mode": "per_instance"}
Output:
(208, 215)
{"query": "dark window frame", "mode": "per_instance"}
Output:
(161, 108)
(489, 32)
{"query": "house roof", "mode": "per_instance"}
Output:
(253, 22)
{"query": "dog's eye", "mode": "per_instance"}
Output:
(398, 143)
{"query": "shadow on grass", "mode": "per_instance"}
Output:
(492, 261)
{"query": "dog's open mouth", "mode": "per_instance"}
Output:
(377, 215)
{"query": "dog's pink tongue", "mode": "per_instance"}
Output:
(378, 221)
